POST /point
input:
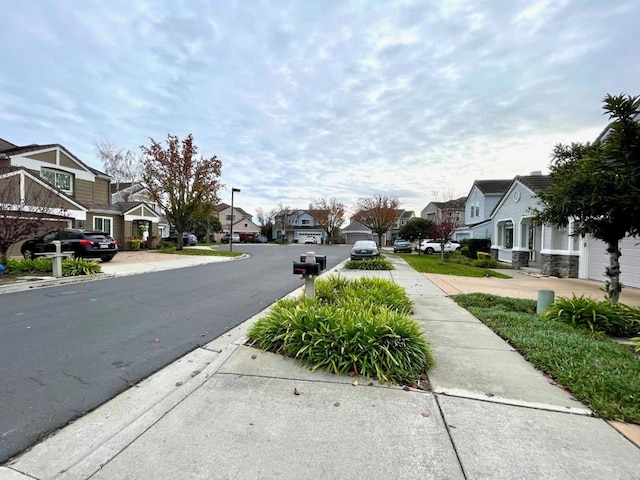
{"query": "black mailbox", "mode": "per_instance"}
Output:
(320, 259)
(306, 269)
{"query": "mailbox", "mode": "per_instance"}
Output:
(320, 259)
(306, 269)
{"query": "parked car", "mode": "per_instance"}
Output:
(83, 244)
(311, 240)
(401, 245)
(430, 246)
(248, 238)
(262, 239)
(188, 239)
(364, 250)
(226, 236)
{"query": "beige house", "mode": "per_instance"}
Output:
(83, 193)
(242, 220)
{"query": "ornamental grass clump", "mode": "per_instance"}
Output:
(373, 264)
(344, 334)
(80, 266)
(613, 319)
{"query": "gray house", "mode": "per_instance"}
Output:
(482, 199)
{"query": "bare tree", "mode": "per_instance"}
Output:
(123, 166)
(379, 213)
(184, 186)
(329, 214)
(25, 206)
(443, 229)
(266, 220)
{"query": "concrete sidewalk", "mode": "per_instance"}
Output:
(229, 411)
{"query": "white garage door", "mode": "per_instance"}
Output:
(598, 261)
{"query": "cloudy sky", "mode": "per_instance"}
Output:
(307, 99)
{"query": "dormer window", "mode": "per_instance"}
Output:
(62, 180)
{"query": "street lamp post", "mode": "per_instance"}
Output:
(233, 190)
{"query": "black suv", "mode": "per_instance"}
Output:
(83, 243)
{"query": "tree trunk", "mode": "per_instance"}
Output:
(613, 285)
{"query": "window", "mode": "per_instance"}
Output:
(62, 180)
(103, 224)
(231, 218)
(305, 222)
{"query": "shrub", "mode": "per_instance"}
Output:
(134, 243)
(466, 252)
(373, 264)
(79, 266)
(611, 318)
(476, 245)
(343, 332)
(375, 290)
(37, 265)
(457, 257)
(484, 263)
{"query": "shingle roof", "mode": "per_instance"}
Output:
(492, 187)
(455, 204)
(536, 183)
(5, 145)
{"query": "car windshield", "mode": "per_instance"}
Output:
(95, 234)
(364, 244)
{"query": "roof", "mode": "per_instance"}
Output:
(407, 214)
(5, 145)
(455, 204)
(355, 227)
(493, 187)
(34, 147)
(535, 183)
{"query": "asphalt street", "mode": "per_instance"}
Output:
(67, 349)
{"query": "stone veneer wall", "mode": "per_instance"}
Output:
(519, 259)
(562, 266)
(494, 254)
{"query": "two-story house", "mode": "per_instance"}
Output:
(299, 226)
(436, 211)
(481, 200)
(83, 192)
(242, 221)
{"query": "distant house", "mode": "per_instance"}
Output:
(436, 211)
(481, 200)
(84, 191)
(297, 225)
(242, 221)
(356, 231)
(136, 192)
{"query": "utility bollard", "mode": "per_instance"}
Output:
(545, 299)
(57, 260)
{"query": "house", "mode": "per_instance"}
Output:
(83, 192)
(436, 211)
(135, 192)
(403, 217)
(241, 220)
(356, 231)
(297, 225)
(481, 200)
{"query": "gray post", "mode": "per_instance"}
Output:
(57, 260)
(309, 280)
(545, 299)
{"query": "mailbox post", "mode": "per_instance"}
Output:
(309, 267)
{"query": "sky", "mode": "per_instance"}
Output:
(310, 99)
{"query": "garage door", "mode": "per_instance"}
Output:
(352, 238)
(598, 261)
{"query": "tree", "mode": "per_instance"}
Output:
(379, 213)
(184, 186)
(329, 214)
(598, 185)
(204, 228)
(122, 166)
(25, 204)
(443, 229)
(415, 228)
(266, 220)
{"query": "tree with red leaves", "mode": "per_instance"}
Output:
(442, 230)
(329, 214)
(185, 186)
(379, 213)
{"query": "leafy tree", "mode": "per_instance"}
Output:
(204, 228)
(379, 213)
(24, 206)
(329, 214)
(184, 186)
(443, 229)
(415, 228)
(122, 166)
(598, 185)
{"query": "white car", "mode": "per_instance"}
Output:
(433, 246)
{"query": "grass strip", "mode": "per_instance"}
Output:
(433, 264)
(598, 371)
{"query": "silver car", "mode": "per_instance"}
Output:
(364, 250)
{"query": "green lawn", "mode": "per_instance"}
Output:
(432, 264)
(599, 372)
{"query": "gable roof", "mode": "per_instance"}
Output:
(455, 204)
(535, 183)
(356, 227)
(492, 187)
(5, 145)
(35, 147)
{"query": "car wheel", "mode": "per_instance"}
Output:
(429, 251)
(28, 254)
(107, 258)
